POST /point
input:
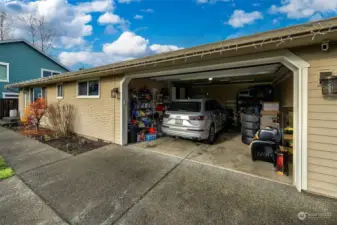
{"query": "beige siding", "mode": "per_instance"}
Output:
(21, 103)
(322, 123)
(94, 117)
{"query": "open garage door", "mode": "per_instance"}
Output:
(259, 71)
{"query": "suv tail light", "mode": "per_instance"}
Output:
(197, 117)
(166, 115)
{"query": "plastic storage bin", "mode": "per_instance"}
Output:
(150, 137)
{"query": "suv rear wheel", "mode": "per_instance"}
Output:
(211, 135)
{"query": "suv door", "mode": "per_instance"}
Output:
(223, 115)
(216, 114)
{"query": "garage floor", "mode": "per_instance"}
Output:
(228, 152)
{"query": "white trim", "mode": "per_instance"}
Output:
(304, 127)
(48, 70)
(10, 93)
(7, 65)
(287, 58)
(59, 97)
(89, 96)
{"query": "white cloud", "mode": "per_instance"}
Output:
(240, 18)
(70, 23)
(96, 6)
(109, 18)
(296, 9)
(147, 10)
(163, 48)
(138, 17)
(113, 19)
(69, 42)
(127, 46)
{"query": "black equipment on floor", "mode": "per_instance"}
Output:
(266, 146)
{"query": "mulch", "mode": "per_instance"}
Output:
(73, 144)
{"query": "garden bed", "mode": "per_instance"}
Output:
(72, 144)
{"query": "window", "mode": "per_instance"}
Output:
(88, 89)
(48, 73)
(213, 105)
(59, 91)
(185, 106)
(4, 72)
(217, 106)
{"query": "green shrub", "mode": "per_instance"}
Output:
(5, 171)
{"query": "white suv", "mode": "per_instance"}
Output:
(197, 119)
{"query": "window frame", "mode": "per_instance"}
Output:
(7, 65)
(57, 96)
(48, 70)
(10, 93)
(43, 93)
(87, 81)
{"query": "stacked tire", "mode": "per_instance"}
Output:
(250, 125)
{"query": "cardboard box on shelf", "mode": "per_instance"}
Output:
(269, 121)
(271, 106)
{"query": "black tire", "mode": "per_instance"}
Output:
(249, 132)
(250, 118)
(250, 125)
(246, 140)
(211, 135)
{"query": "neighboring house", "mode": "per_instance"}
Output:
(297, 49)
(21, 61)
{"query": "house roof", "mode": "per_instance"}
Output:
(36, 49)
(300, 35)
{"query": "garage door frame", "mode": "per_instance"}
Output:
(287, 58)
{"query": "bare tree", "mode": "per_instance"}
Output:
(41, 33)
(29, 21)
(5, 26)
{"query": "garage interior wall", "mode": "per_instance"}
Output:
(322, 122)
(224, 94)
(94, 117)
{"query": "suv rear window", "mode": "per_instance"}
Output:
(185, 106)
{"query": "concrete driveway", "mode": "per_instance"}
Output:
(117, 185)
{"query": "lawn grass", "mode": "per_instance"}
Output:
(5, 170)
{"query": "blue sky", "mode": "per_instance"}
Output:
(99, 32)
